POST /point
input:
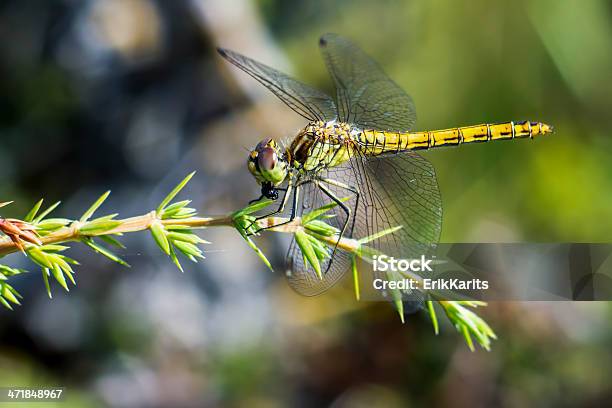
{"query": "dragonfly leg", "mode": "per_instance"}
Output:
(296, 194)
(263, 196)
(290, 189)
(280, 209)
(346, 210)
(347, 187)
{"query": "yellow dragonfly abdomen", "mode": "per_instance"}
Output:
(377, 142)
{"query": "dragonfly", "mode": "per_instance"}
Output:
(358, 151)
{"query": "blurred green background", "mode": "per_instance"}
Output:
(130, 95)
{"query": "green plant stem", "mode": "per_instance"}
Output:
(143, 222)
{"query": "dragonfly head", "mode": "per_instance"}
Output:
(269, 167)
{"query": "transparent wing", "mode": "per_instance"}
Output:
(399, 190)
(308, 102)
(394, 190)
(365, 95)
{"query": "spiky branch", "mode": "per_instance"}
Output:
(43, 240)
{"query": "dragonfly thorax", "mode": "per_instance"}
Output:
(320, 145)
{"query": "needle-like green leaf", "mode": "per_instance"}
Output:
(39, 257)
(253, 208)
(466, 334)
(45, 274)
(175, 207)
(321, 228)
(379, 234)
(9, 294)
(51, 224)
(355, 276)
(104, 251)
(315, 214)
(175, 260)
(188, 249)
(43, 214)
(178, 227)
(432, 315)
(53, 248)
(469, 323)
(255, 248)
(301, 238)
(174, 192)
(159, 234)
(57, 273)
(87, 215)
(396, 295)
(5, 303)
(8, 271)
(99, 226)
(186, 237)
(30, 216)
(112, 241)
(320, 248)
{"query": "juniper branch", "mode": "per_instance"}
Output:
(171, 224)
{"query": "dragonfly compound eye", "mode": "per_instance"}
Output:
(271, 166)
(267, 159)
